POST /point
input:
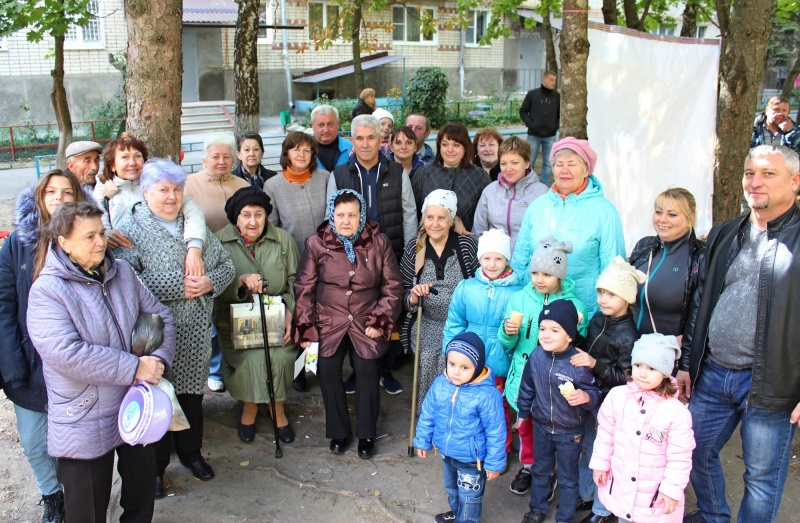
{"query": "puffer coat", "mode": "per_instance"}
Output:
(335, 297)
(646, 441)
(530, 303)
(478, 305)
(82, 331)
(589, 221)
(464, 422)
(610, 342)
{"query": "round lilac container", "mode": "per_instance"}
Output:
(144, 415)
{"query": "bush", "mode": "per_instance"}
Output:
(427, 92)
(112, 109)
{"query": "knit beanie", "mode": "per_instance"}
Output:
(550, 257)
(564, 313)
(380, 112)
(621, 278)
(495, 240)
(579, 147)
(244, 197)
(657, 351)
(470, 345)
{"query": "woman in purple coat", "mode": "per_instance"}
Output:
(83, 305)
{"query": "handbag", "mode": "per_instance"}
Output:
(246, 329)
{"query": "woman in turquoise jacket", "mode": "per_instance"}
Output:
(574, 209)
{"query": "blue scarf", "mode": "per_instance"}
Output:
(348, 242)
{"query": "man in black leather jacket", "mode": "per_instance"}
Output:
(740, 361)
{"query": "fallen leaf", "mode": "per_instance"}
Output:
(244, 463)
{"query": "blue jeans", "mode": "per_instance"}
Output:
(464, 484)
(587, 487)
(566, 448)
(546, 144)
(718, 404)
(32, 428)
(215, 363)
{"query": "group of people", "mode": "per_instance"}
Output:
(532, 318)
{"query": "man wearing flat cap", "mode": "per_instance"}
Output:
(83, 160)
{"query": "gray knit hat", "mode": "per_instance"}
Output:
(550, 257)
(657, 351)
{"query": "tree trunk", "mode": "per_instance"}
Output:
(60, 106)
(574, 47)
(547, 32)
(689, 26)
(739, 81)
(788, 87)
(610, 14)
(153, 77)
(631, 13)
(356, 37)
(245, 68)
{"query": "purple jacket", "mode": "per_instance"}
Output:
(82, 331)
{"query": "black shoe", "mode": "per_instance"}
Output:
(533, 517)
(551, 490)
(247, 433)
(694, 517)
(445, 517)
(53, 507)
(286, 434)
(583, 506)
(350, 385)
(522, 482)
(160, 492)
(299, 383)
(200, 469)
(366, 448)
(339, 446)
(594, 518)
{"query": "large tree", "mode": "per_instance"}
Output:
(245, 67)
(745, 27)
(783, 50)
(574, 48)
(154, 72)
(48, 19)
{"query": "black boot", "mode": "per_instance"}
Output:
(53, 507)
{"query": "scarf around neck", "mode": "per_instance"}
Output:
(347, 242)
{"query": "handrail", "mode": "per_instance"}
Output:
(52, 131)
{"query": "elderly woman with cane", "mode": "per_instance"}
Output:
(265, 260)
(348, 291)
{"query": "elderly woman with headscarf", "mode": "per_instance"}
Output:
(432, 265)
(265, 260)
(155, 229)
(348, 290)
(83, 306)
(574, 210)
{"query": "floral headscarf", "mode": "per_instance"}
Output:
(348, 242)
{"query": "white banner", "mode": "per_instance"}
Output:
(652, 121)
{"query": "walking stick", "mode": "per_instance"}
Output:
(415, 386)
(270, 389)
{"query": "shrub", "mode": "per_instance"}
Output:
(427, 92)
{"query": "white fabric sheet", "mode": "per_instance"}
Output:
(652, 112)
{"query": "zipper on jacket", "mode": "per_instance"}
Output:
(550, 387)
(655, 497)
(477, 456)
(611, 486)
(605, 322)
(528, 334)
(113, 317)
(450, 423)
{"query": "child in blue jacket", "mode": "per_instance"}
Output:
(559, 396)
(462, 416)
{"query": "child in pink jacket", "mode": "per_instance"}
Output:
(643, 452)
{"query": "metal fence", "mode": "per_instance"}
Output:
(40, 139)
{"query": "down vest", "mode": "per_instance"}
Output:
(646, 441)
(464, 422)
(478, 305)
(82, 330)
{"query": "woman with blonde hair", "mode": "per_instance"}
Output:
(366, 102)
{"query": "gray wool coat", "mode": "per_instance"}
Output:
(82, 331)
(159, 260)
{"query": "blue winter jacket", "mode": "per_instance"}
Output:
(345, 146)
(465, 422)
(540, 396)
(589, 221)
(478, 305)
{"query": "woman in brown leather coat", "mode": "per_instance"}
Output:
(348, 291)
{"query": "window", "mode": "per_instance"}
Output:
(320, 16)
(407, 22)
(700, 32)
(266, 15)
(478, 24)
(663, 30)
(89, 34)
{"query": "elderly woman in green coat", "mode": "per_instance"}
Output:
(260, 251)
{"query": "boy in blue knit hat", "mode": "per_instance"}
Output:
(462, 416)
(559, 396)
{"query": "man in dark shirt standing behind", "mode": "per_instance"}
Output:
(541, 112)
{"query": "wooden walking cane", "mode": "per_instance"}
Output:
(415, 386)
(270, 388)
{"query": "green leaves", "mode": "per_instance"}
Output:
(427, 92)
(42, 18)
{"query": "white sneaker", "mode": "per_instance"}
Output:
(216, 385)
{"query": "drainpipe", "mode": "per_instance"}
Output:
(461, 61)
(287, 69)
